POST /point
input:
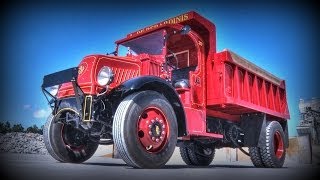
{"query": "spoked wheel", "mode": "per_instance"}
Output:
(64, 142)
(145, 130)
(272, 155)
(197, 153)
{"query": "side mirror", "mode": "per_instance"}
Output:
(185, 30)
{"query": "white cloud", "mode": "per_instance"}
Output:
(42, 113)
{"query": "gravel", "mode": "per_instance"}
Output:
(28, 143)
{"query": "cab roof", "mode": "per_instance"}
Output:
(202, 26)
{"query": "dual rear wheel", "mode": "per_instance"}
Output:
(197, 154)
(272, 154)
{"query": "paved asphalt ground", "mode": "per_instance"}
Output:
(28, 166)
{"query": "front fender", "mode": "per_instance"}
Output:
(154, 83)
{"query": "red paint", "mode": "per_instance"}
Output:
(242, 90)
(223, 85)
(278, 145)
(153, 130)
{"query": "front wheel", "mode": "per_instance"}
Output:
(145, 130)
(65, 143)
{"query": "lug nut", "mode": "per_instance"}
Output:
(157, 119)
(157, 140)
(153, 138)
(150, 126)
(163, 132)
(147, 122)
(161, 137)
(163, 126)
(161, 121)
(150, 132)
(152, 120)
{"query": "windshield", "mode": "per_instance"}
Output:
(150, 44)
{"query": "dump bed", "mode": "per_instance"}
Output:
(237, 86)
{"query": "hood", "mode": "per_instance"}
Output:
(124, 68)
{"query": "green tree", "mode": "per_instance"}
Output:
(6, 128)
(33, 129)
(17, 128)
(1, 127)
(41, 130)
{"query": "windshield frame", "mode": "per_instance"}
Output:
(162, 44)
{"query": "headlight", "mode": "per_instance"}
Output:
(105, 76)
(53, 90)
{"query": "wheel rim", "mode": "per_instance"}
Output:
(72, 138)
(207, 151)
(278, 145)
(153, 130)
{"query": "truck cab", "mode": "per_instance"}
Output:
(166, 86)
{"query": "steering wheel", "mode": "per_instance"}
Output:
(168, 60)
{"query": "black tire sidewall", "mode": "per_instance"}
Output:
(197, 159)
(184, 155)
(135, 150)
(274, 127)
(255, 156)
(58, 146)
(47, 138)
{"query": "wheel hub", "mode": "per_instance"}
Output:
(207, 151)
(153, 129)
(156, 129)
(72, 138)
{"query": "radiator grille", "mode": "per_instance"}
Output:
(123, 74)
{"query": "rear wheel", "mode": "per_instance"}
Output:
(197, 153)
(272, 154)
(65, 143)
(255, 156)
(145, 130)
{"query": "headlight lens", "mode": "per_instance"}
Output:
(105, 76)
(53, 90)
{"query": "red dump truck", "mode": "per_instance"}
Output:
(166, 86)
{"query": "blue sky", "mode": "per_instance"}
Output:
(44, 38)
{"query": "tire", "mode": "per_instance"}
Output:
(185, 155)
(145, 130)
(273, 153)
(55, 137)
(196, 154)
(255, 157)
(46, 138)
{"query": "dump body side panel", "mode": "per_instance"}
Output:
(236, 86)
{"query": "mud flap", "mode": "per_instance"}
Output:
(286, 134)
(254, 128)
